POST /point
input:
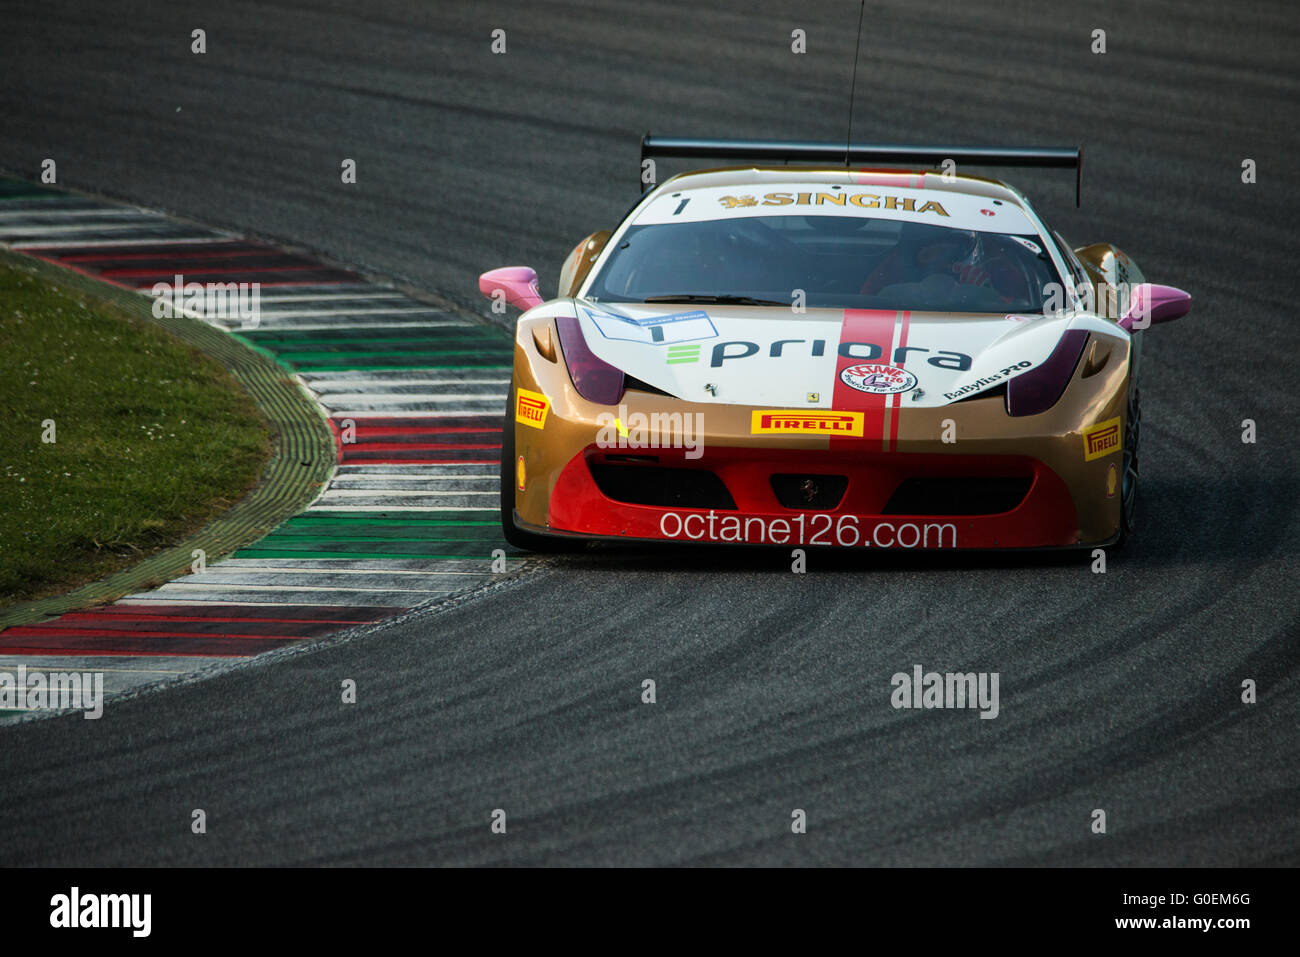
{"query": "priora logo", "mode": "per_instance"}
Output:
(865, 351)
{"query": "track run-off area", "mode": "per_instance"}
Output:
(413, 397)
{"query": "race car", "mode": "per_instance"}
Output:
(829, 350)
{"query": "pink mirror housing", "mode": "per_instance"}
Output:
(519, 283)
(1151, 303)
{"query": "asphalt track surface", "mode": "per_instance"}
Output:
(1118, 691)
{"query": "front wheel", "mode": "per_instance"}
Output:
(1129, 482)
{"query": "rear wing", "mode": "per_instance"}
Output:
(785, 151)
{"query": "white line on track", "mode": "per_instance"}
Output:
(86, 215)
(409, 398)
(432, 568)
(348, 312)
(400, 508)
(143, 241)
(330, 597)
(233, 586)
(341, 386)
(83, 228)
(399, 493)
(404, 565)
(490, 410)
(380, 483)
(61, 662)
(407, 473)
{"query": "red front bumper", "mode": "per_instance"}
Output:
(865, 515)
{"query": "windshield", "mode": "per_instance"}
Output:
(838, 261)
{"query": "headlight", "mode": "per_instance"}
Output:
(594, 378)
(1039, 389)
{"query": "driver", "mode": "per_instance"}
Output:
(924, 251)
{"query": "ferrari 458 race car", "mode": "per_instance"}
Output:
(829, 354)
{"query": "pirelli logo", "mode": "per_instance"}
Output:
(531, 408)
(1102, 439)
(804, 422)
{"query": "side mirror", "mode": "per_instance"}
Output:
(517, 283)
(1150, 303)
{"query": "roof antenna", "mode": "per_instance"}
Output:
(853, 86)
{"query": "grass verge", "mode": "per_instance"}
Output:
(152, 439)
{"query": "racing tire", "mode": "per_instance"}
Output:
(1129, 481)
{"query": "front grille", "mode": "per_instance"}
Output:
(809, 491)
(631, 382)
(957, 496)
(661, 486)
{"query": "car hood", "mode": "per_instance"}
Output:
(821, 358)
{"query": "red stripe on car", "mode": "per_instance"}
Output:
(868, 326)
